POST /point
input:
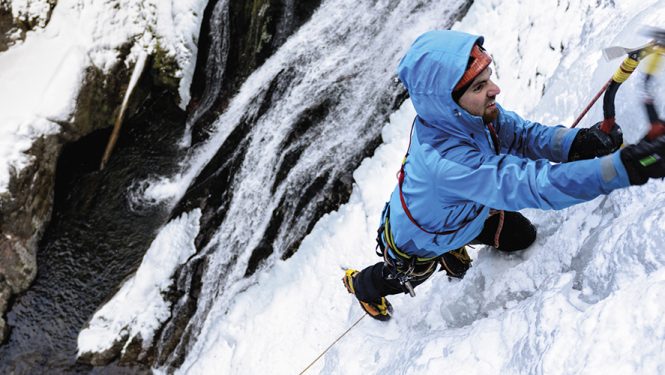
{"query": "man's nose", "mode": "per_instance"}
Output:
(493, 90)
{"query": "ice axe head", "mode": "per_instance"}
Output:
(614, 52)
(657, 42)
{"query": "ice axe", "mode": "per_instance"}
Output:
(614, 52)
(627, 67)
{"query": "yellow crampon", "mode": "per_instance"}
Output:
(380, 310)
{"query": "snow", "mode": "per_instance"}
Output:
(141, 300)
(35, 11)
(587, 297)
(40, 82)
(178, 23)
(41, 77)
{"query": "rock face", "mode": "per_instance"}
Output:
(18, 18)
(26, 209)
(253, 30)
(258, 28)
(22, 216)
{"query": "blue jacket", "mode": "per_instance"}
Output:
(453, 174)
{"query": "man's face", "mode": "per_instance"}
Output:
(479, 98)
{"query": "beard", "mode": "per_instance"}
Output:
(490, 115)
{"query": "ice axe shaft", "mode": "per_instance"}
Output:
(591, 103)
(627, 67)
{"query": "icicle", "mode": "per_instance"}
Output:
(136, 74)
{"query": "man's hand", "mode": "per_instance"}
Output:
(644, 160)
(593, 142)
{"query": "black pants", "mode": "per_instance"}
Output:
(517, 233)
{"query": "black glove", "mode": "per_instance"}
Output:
(644, 160)
(593, 142)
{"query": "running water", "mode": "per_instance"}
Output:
(303, 121)
(287, 21)
(297, 130)
(217, 56)
(279, 157)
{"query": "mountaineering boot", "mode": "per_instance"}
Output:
(380, 310)
(456, 262)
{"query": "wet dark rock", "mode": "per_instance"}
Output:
(25, 209)
(23, 216)
(257, 29)
(6, 24)
(95, 239)
(5, 294)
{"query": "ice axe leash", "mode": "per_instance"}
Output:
(627, 67)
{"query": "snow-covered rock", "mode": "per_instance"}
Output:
(62, 77)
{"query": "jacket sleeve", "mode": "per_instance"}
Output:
(512, 183)
(533, 140)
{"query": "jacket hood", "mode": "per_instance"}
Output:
(430, 70)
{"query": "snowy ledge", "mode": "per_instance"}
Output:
(53, 82)
(140, 308)
(42, 77)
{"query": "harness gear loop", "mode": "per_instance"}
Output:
(402, 266)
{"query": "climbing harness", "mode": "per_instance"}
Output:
(401, 175)
(406, 268)
(403, 267)
(400, 181)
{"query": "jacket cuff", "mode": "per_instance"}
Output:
(567, 142)
(613, 172)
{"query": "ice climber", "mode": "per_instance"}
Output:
(471, 165)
